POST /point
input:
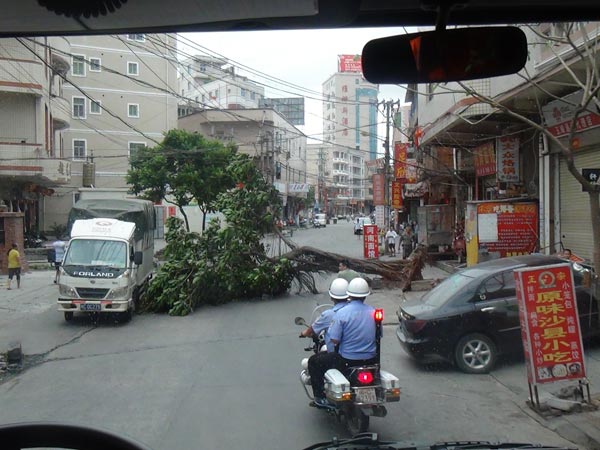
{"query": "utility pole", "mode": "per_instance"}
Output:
(389, 108)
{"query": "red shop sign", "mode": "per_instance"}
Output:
(549, 323)
(370, 242)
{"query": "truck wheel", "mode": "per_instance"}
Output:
(126, 316)
(68, 316)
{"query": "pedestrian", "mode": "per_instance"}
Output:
(59, 254)
(390, 237)
(407, 242)
(357, 227)
(14, 265)
(345, 272)
(353, 334)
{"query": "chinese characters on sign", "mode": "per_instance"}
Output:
(349, 63)
(591, 175)
(514, 230)
(378, 189)
(507, 154)
(549, 323)
(396, 195)
(400, 151)
(484, 160)
(371, 242)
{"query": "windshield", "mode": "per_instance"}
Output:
(184, 337)
(94, 252)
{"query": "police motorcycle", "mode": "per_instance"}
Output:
(356, 393)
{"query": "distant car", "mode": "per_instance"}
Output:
(362, 221)
(321, 219)
(473, 316)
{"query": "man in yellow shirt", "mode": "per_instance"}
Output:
(14, 265)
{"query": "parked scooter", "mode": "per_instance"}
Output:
(316, 224)
(356, 393)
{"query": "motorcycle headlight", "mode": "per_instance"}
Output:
(117, 293)
(67, 291)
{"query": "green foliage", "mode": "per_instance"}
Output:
(227, 262)
(58, 230)
(185, 167)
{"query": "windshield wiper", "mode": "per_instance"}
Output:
(368, 441)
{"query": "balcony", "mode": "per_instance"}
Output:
(340, 160)
(61, 113)
(340, 172)
(24, 77)
(23, 161)
(59, 58)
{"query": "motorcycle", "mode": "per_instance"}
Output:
(356, 393)
(316, 223)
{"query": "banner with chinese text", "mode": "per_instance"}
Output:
(549, 323)
(370, 241)
(400, 156)
(378, 189)
(507, 229)
(484, 159)
(396, 195)
(507, 153)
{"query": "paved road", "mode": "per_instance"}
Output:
(227, 377)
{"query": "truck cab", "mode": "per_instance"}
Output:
(105, 269)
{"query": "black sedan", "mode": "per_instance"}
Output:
(473, 315)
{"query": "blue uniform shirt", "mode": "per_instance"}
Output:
(323, 322)
(354, 328)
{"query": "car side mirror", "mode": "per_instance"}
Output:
(300, 321)
(138, 258)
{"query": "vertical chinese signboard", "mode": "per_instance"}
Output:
(378, 190)
(484, 160)
(400, 156)
(549, 324)
(396, 195)
(370, 242)
(507, 154)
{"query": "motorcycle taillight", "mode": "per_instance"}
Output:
(364, 377)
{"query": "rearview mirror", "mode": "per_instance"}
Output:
(445, 55)
(300, 321)
(138, 258)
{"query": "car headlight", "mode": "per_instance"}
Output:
(118, 293)
(67, 291)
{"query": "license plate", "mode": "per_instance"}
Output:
(366, 395)
(91, 307)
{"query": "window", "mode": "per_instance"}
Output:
(252, 95)
(243, 92)
(95, 65)
(134, 147)
(136, 37)
(2, 233)
(78, 107)
(79, 148)
(95, 107)
(78, 65)
(132, 68)
(133, 110)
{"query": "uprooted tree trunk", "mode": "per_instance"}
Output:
(394, 274)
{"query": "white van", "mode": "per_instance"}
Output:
(321, 219)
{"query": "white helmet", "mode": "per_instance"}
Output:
(358, 288)
(338, 289)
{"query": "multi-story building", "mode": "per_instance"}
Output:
(34, 110)
(350, 126)
(210, 82)
(277, 146)
(122, 95)
(319, 168)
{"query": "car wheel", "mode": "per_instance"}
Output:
(475, 353)
(68, 316)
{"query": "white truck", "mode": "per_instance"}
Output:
(108, 262)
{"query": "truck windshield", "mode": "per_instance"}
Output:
(93, 252)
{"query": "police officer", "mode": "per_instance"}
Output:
(338, 295)
(352, 331)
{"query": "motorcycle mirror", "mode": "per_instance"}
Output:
(300, 321)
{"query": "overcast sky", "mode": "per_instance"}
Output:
(304, 58)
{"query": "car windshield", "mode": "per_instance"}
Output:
(236, 144)
(92, 252)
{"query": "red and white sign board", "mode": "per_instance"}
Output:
(549, 323)
(370, 242)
